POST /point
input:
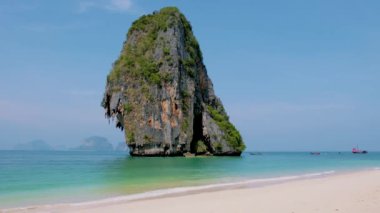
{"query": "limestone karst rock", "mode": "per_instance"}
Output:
(159, 93)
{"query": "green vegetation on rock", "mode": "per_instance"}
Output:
(201, 147)
(185, 100)
(218, 146)
(130, 137)
(189, 65)
(157, 20)
(128, 108)
(137, 59)
(232, 135)
(147, 139)
(166, 51)
(185, 125)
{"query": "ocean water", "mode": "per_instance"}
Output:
(33, 178)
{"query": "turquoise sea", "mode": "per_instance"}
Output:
(33, 178)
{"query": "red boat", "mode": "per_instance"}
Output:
(358, 151)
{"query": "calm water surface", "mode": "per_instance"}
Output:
(31, 178)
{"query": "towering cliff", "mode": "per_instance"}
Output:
(161, 96)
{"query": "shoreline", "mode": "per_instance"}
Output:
(188, 191)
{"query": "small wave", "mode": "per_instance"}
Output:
(318, 174)
(181, 190)
(193, 189)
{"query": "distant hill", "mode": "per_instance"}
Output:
(61, 148)
(95, 143)
(35, 145)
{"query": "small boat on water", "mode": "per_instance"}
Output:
(358, 151)
(315, 153)
(255, 153)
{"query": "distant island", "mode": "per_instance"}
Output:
(161, 96)
(35, 145)
(94, 143)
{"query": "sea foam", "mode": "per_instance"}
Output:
(195, 189)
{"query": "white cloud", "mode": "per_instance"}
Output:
(110, 5)
(84, 6)
(120, 5)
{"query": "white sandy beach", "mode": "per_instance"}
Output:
(350, 192)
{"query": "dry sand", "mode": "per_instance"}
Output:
(356, 192)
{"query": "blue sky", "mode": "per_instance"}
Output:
(293, 75)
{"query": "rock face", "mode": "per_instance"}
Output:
(161, 96)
